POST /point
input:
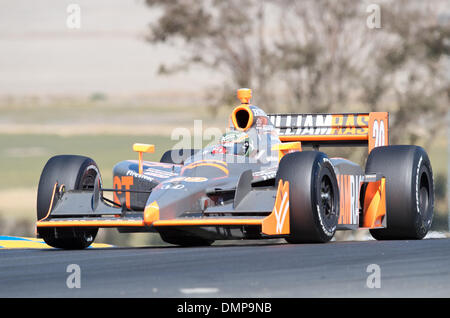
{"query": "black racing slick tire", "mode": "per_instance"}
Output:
(313, 196)
(75, 173)
(409, 191)
(177, 156)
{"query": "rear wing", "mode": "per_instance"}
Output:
(350, 129)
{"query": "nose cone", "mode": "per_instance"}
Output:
(151, 213)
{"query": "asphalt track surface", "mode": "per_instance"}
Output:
(336, 269)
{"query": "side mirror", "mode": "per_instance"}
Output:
(141, 148)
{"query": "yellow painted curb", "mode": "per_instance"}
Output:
(10, 242)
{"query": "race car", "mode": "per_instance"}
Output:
(258, 181)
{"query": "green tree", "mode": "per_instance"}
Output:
(222, 36)
(319, 55)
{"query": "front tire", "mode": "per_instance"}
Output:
(409, 191)
(75, 173)
(314, 196)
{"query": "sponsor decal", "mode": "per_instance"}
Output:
(277, 223)
(161, 174)
(378, 127)
(349, 190)
(320, 125)
(233, 137)
(324, 228)
(378, 133)
(370, 177)
(171, 186)
(139, 176)
(257, 112)
(417, 185)
(281, 211)
(119, 183)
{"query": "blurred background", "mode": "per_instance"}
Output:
(92, 77)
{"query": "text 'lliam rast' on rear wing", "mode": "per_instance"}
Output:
(350, 129)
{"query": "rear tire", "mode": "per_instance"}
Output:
(75, 173)
(409, 191)
(313, 196)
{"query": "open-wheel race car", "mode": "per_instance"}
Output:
(257, 182)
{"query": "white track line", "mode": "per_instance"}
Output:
(199, 290)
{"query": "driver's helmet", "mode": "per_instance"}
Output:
(235, 143)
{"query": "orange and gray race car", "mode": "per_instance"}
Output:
(258, 181)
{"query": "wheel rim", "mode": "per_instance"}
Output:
(326, 202)
(88, 179)
(87, 183)
(424, 197)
